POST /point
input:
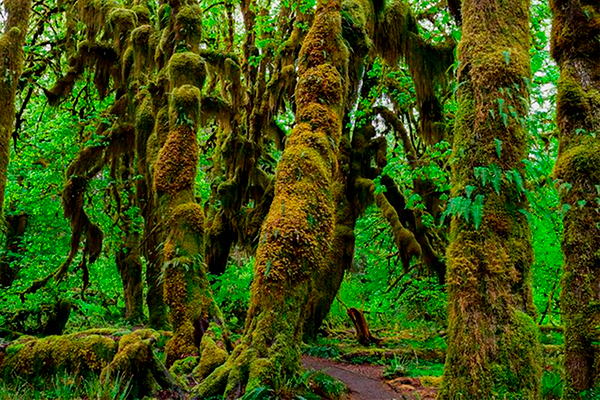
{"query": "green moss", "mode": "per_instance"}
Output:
(211, 357)
(184, 366)
(188, 26)
(575, 106)
(185, 106)
(578, 162)
(12, 55)
(492, 345)
(186, 69)
(576, 49)
(80, 353)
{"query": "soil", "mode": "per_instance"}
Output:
(366, 381)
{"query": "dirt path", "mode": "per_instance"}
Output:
(364, 381)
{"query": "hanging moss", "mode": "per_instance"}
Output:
(186, 69)
(142, 14)
(188, 26)
(397, 37)
(93, 14)
(121, 21)
(144, 41)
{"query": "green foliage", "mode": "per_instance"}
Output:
(65, 387)
(413, 367)
(232, 292)
(323, 351)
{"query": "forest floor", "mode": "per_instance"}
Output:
(367, 382)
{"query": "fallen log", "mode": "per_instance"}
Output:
(100, 352)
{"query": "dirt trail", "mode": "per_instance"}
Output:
(364, 381)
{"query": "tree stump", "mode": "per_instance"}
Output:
(362, 328)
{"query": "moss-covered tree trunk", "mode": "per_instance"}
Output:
(11, 65)
(492, 344)
(129, 265)
(297, 234)
(575, 46)
(186, 287)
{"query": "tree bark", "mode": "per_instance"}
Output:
(297, 234)
(186, 287)
(493, 350)
(11, 66)
(575, 47)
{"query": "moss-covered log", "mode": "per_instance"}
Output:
(575, 47)
(100, 352)
(493, 350)
(297, 234)
(11, 66)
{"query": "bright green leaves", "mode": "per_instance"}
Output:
(471, 209)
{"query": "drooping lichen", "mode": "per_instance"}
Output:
(397, 37)
(492, 346)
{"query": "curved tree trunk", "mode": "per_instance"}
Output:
(492, 346)
(11, 65)
(576, 48)
(296, 236)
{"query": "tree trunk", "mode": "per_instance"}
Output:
(186, 287)
(576, 49)
(146, 109)
(296, 236)
(11, 65)
(129, 265)
(363, 334)
(493, 350)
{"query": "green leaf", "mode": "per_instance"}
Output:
(477, 210)
(469, 190)
(498, 146)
